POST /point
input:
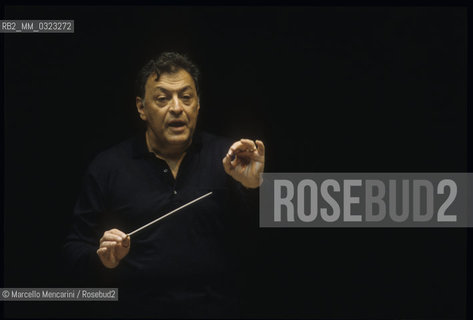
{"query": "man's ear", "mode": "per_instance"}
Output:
(141, 108)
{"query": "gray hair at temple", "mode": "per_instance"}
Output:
(166, 62)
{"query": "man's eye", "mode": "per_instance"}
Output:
(161, 99)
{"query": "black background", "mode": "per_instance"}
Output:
(327, 89)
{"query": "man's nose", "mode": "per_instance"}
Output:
(176, 106)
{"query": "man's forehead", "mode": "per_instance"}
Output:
(174, 80)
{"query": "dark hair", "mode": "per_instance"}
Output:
(166, 62)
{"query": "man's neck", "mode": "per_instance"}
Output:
(166, 153)
(172, 156)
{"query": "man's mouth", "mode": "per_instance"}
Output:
(177, 124)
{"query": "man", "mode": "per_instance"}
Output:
(183, 266)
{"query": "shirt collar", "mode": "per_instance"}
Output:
(140, 148)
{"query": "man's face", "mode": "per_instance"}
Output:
(170, 108)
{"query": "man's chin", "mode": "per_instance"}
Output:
(178, 140)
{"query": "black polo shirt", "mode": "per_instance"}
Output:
(184, 265)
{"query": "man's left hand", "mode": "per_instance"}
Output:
(245, 162)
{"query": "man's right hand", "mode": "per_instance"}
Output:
(114, 246)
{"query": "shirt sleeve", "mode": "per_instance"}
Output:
(82, 242)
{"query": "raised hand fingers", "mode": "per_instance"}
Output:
(242, 151)
(240, 146)
(245, 162)
(102, 251)
(233, 149)
(260, 145)
(248, 146)
(226, 163)
(248, 143)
